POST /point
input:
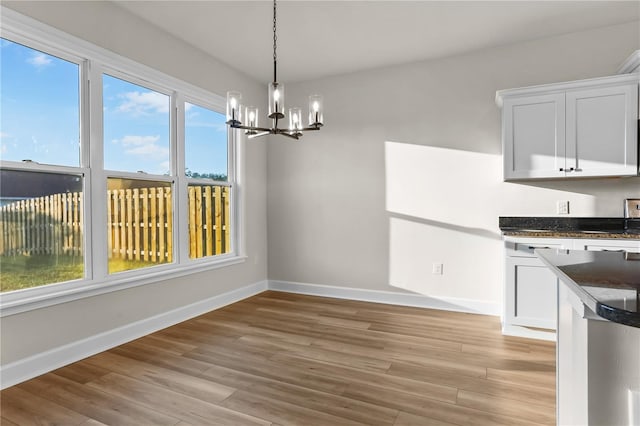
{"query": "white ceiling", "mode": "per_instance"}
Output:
(322, 38)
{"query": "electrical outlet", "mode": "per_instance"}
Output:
(563, 207)
(437, 269)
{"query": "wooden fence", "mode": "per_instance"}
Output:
(50, 225)
(139, 224)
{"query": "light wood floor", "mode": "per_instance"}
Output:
(286, 359)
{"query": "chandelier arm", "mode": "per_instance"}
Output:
(257, 135)
(243, 127)
(289, 135)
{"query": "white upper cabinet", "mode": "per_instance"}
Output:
(585, 128)
(534, 136)
(602, 131)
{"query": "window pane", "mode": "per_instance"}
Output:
(41, 229)
(205, 143)
(40, 118)
(209, 220)
(139, 224)
(136, 127)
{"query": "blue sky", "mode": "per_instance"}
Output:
(39, 119)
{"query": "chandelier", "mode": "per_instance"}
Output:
(248, 119)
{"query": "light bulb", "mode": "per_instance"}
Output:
(252, 116)
(276, 95)
(316, 106)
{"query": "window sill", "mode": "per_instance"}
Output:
(54, 294)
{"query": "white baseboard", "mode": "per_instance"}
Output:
(518, 331)
(390, 297)
(33, 366)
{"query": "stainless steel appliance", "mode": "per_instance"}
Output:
(632, 208)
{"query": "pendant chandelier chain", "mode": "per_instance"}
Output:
(275, 39)
(246, 117)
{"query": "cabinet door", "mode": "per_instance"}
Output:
(530, 293)
(533, 132)
(602, 138)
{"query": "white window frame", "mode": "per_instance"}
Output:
(93, 62)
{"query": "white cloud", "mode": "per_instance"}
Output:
(153, 151)
(143, 146)
(4, 135)
(39, 60)
(143, 103)
(135, 140)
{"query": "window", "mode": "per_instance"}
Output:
(137, 135)
(206, 160)
(136, 127)
(40, 107)
(153, 196)
(41, 227)
(205, 141)
(139, 223)
(42, 224)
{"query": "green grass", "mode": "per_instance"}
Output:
(119, 265)
(18, 272)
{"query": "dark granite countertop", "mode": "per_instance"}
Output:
(608, 283)
(570, 227)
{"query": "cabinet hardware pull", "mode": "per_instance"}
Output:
(614, 251)
(533, 247)
(562, 169)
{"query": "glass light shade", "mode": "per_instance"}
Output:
(315, 110)
(234, 108)
(251, 116)
(276, 100)
(295, 120)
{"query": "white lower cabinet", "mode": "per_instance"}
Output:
(598, 373)
(530, 290)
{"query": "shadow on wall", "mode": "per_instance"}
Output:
(443, 206)
(442, 210)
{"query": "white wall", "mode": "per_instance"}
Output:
(109, 26)
(407, 170)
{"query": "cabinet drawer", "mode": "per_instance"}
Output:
(526, 248)
(632, 246)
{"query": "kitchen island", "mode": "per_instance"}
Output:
(598, 341)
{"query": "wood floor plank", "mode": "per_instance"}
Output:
(282, 412)
(375, 381)
(290, 359)
(287, 373)
(331, 403)
(81, 372)
(520, 391)
(186, 384)
(408, 419)
(162, 400)
(92, 403)
(533, 411)
(25, 408)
